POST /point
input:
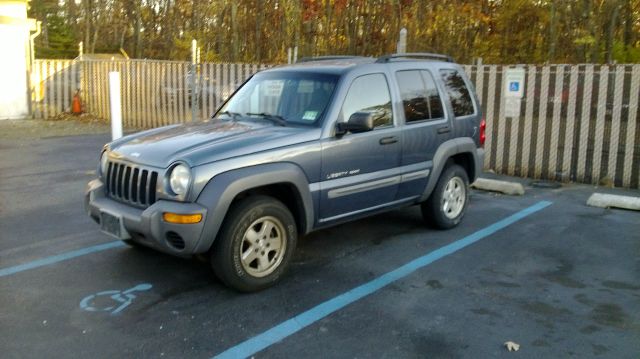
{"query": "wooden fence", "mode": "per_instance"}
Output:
(577, 122)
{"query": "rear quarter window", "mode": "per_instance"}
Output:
(458, 93)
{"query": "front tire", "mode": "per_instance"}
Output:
(255, 244)
(447, 204)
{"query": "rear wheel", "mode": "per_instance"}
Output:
(255, 244)
(447, 204)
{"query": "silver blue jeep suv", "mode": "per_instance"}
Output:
(295, 149)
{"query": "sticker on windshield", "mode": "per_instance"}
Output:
(310, 115)
(305, 86)
(274, 88)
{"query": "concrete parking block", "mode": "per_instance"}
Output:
(510, 188)
(603, 200)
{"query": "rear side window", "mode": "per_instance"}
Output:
(369, 93)
(435, 104)
(420, 97)
(458, 93)
(414, 96)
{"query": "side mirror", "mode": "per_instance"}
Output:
(358, 122)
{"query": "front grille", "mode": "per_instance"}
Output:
(131, 184)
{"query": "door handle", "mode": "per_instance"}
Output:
(388, 140)
(444, 129)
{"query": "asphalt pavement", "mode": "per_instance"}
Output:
(562, 280)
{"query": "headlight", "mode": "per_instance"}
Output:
(179, 179)
(103, 163)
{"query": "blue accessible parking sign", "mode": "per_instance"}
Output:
(513, 91)
(514, 82)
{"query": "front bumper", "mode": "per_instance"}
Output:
(146, 226)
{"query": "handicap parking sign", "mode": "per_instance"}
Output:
(514, 82)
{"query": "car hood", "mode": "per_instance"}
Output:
(207, 142)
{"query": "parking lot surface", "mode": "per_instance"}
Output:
(562, 281)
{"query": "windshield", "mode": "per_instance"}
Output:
(293, 97)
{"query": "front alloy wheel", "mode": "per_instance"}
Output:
(263, 246)
(255, 244)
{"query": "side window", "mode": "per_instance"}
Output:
(458, 93)
(369, 93)
(435, 104)
(413, 93)
(420, 96)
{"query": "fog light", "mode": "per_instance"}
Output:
(181, 218)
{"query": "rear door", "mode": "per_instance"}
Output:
(360, 170)
(426, 126)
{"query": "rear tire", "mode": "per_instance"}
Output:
(255, 244)
(447, 204)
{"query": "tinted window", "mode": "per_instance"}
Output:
(369, 93)
(420, 96)
(435, 104)
(458, 93)
(414, 96)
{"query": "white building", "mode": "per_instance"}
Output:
(16, 45)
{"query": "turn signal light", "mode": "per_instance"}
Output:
(181, 218)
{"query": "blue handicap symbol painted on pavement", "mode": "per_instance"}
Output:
(121, 299)
(514, 86)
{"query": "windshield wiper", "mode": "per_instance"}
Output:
(233, 115)
(277, 119)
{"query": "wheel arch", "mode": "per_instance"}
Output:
(285, 182)
(285, 192)
(461, 151)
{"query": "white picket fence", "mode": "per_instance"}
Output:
(577, 123)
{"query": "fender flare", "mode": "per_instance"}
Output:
(222, 189)
(448, 149)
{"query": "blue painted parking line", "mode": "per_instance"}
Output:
(301, 321)
(58, 258)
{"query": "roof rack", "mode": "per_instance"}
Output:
(329, 58)
(419, 55)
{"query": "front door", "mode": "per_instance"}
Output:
(360, 170)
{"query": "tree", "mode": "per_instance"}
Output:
(500, 31)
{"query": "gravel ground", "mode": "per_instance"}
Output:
(61, 125)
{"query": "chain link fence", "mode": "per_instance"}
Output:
(154, 93)
(577, 122)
